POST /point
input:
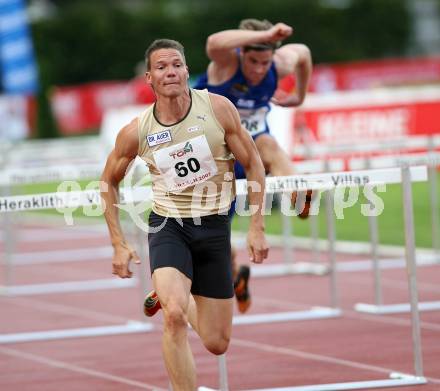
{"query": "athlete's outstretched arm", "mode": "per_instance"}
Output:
(294, 59)
(118, 161)
(245, 151)
(220, 46)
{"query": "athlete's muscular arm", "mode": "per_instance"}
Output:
(245, 151)
(125, 151)
(220, 48)
(222, 44)
(293, 59)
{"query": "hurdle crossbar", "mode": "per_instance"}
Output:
(66, 286)
(406, 175)
(324, 181)
(404, 380)
(131, 327)
(398, 308)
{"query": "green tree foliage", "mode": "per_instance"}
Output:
(90, 40)
(102, 40)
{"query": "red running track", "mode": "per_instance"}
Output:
(353, 347)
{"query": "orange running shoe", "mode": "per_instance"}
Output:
(305, 212)
(151, 304)
(241, 288)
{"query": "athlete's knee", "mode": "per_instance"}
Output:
(175, 318)
(217, 344)
(268, 143)
(268, 149)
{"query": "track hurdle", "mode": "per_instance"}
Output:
(69, 200)
(395, 155)
(431, 159)
(289, 267)
(10, 177)
(320, 182)
(405, 175)
(327, 182)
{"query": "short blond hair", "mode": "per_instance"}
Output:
(258, 25)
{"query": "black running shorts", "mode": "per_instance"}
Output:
(201, 252)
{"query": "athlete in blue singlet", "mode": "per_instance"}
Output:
(251, 101)
(245, 66)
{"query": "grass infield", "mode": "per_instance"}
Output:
(353, 226)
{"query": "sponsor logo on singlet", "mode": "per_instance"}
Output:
(182, 151)
(194, 128)
(159, 138)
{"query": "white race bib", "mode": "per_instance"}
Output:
(254, 120)
(186, 164)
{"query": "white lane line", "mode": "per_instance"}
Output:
(78, 369)
(316, 357)
(235, 341)
(283, 304)
(310, 356)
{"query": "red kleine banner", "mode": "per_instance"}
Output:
(387, 122)
(373, 115)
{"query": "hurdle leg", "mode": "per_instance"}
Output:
(223, 373)
(331, 232)
(314, 234)
(287, 236)
(410, 248)
(433, 197)
(374, 237)
(377, 307)
(9, 242)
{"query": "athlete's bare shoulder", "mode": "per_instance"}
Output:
(127, 141)
(225, 111)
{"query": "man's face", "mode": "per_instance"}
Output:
(256, 64)
(168, 73)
